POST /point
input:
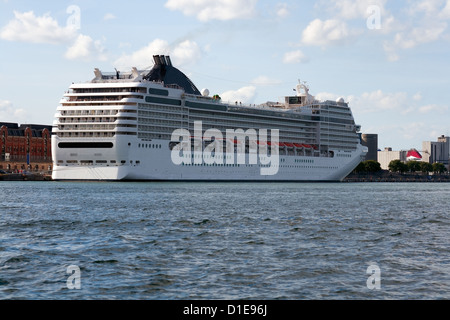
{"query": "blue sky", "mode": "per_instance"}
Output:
(388, 59)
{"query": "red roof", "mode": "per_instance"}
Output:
(298, 145)
(414, 154)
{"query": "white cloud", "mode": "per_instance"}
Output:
(181, 54)
(109, 16)
(391, 51)
(265, 81)
(207, 10)
(445, 13)
(328, 32)
(325, 96)
(430, 8)
(381, 101)
(428, 23)
(420, 35)
(244, 95)
(27, 27)
(85, 48)
(142, 58)
(364, 10)
(295, 57)
(433, 108)
(186, 52)
(282, 10)
(355, 9)
(372, 102)
(417, 96)
(8, 111)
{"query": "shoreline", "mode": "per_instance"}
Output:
(398, 178)
(25, 177)
(352, 178)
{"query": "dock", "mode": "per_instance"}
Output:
(25, 177)
(397, 177)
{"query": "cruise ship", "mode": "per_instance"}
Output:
(156, 125)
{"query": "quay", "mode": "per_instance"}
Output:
(397, 177)
(25, 177)
(21, 171)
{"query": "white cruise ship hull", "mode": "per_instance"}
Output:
(155, 164)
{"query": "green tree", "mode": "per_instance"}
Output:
(361, 168)
(439, 168)
(372, 166)
(426, 167)
(368, 166)
(413, 166)
(397, 166)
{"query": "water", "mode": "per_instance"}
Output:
(224, 240)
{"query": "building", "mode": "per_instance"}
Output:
(385, 157)
(371, 142)
(437, 152)
(25, 147)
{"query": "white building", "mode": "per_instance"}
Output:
(385, 157)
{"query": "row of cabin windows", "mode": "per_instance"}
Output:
(91, 162)
(149, 146)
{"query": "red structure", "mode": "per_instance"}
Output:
(413, 155)
(28, 145)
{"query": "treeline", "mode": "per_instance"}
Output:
(397, 166)
(414, 166)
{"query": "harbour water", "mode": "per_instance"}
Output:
(233, 241)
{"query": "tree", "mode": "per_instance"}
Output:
(439, 168)
(361, 168)
(372, 166)
(413, 166)
(397, 166)
(426, 167)
(368, 166)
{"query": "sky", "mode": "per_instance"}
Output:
(388, 59)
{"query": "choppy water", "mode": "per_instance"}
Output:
(224, 240)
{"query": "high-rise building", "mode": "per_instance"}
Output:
(437, 152)
(371, 142)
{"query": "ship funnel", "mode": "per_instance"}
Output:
(162, 60)
(157, 60)
(169, 62)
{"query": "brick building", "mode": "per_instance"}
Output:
(25, 147)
